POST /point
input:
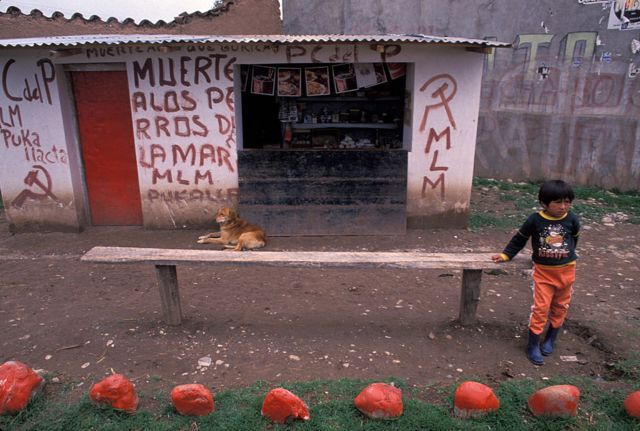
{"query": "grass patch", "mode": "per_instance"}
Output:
(592, 203)
(629, 368)
(331, 408)
(479, 221)
(515, 201)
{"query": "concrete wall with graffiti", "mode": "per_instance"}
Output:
(184, 126)
(564, 102)
(444, 129)
(34, 156)
(184, 129)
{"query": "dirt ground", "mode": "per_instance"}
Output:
(80, 321)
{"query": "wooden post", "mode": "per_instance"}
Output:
(470, 295)
(169, 293)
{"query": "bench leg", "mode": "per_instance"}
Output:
(470, 295)
(169, 293)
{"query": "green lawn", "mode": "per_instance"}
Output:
(331, 408)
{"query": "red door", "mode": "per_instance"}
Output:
(108, 150)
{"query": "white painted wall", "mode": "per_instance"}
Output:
(35, 176)
(445, 120)
(184, 129)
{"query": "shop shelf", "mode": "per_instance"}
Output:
(344, 126)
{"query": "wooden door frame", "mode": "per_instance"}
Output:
(70, 115)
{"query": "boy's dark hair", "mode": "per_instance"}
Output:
(553, 190)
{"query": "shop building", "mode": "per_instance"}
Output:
(305, 135)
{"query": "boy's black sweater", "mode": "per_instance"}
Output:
(553, 240)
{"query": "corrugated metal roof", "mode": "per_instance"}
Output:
(128, 39)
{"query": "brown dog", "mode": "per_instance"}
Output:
(235, 233)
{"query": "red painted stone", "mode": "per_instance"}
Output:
(18, 384)
(632, 404)
(473, 399)
(281, 406)
(116, 391)
(559, 400)
(192, 400)
(380, 401)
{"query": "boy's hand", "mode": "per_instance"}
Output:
(497, 258)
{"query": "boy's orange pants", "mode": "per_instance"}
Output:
(552, 288)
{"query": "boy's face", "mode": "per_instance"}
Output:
(557, 208)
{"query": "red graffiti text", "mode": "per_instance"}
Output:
(190, 155)
(167, 72)
(441, 89)
(193, 195)
(34, 88)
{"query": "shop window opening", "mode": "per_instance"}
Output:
(311, 106)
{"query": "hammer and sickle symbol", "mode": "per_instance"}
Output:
(33, 180)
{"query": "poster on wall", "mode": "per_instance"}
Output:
(397, 70)
(344, 78)
(263, 80)
(381, 76)
(365, 75)
(289, 82)
(317, 81)
(370, 74)
(624, 15)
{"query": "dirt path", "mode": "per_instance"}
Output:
(79, 321)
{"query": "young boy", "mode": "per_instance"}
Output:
(554, 235)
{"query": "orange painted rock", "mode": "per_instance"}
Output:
(632, 404)
(473, 399)
(281, 406)
(380, 401)
(192, 400)
(559, 400)
(18, 384)
(116, 391)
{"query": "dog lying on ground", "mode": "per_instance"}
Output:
(235, 233)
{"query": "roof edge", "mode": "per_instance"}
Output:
(159, 39)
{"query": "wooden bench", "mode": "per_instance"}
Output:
(165, 261)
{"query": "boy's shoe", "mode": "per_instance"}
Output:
(549, 340)
(533, 349)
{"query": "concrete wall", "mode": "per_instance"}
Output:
(564, 102)
(35, 166)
